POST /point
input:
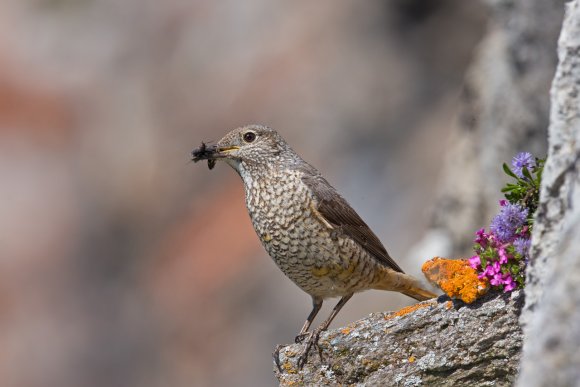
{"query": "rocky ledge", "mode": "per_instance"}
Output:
(439, 342)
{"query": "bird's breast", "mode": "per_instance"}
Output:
(277, 202)
(281, 209)
(301, 242)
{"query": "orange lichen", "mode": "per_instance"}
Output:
(345, 331)
(456, 278)
(288, 368)
(409, 309)
(448, 305)
(412, 359)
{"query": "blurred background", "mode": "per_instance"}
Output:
(122, 263)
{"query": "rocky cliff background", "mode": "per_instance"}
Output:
(124, 264)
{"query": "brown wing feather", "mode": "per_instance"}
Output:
(340, 214)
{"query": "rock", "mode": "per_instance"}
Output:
(504, 110)
(551, 315)
(437, 342)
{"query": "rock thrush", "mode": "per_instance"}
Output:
(312, 234)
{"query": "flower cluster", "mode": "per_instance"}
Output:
(502, 254)
(521, 161)
(505, 224)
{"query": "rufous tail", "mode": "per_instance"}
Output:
(406, 284)
(419, 294)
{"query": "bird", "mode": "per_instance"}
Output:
(309, 230)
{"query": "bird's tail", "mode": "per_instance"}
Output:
(419, 294)
(406, 284)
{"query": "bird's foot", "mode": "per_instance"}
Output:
(300, 338)
(312, 342)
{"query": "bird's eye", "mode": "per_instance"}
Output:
(249, 137)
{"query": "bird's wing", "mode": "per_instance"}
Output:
(337, 212)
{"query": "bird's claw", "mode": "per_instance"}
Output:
(310, 343)
(300, 338)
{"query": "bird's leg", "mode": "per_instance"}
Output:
(313, 339)
(316, 305)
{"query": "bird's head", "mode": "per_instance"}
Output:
(252, 145)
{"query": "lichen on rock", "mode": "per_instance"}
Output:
(456, 278)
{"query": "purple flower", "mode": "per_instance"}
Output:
(492, 269)
(509, 283)
(496, 280)
(475, 262)
(481, 238)
(480, 233)
(509, 287)
(505, 224)
(521, 160)
(488, 272)
(503, 202)
(522, 246)
(503, 257)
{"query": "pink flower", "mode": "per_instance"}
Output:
(481, 237)
(492, 239)
(475, 262)
(496, 280)
(488, 272)
(509, 283)
(503, 202)
(491, 270)
(503, 258)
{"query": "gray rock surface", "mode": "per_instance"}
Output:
(552, 315)
(443, 344)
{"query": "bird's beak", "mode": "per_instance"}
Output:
(211, 153)
(226, 150)
(208, 152)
